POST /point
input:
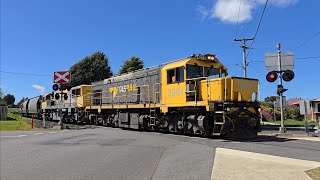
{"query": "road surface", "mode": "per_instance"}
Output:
(111, 153)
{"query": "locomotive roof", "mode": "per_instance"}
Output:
(174, 63)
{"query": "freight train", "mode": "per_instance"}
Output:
(192, 95)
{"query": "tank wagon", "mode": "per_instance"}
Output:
(32, 107)
(192, 95)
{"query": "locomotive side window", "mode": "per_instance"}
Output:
(76, 92)
(194, 71)
(223, 74)
(175, 75)
(211, 72)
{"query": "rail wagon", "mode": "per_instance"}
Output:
(32, 107)
(192, 95)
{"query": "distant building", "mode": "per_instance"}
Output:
(294, 102)
(315, 108)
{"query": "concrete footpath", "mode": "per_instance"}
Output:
(234, 164)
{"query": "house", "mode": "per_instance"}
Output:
(294, 102)
(315, 108)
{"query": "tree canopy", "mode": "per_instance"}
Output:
(91, 68)
(132, 64)
(21, 101)
(9, 99)
(1, 93)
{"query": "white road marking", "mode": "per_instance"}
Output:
(38, 133)
(52, 132)
(22, 135)
(15, 136)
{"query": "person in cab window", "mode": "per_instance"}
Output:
(173, 79)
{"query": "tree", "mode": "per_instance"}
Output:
(293, 112)
(270, 99)
(21, 101)
(9, 99)
(1, 93)
(132, 64)
(91, 68)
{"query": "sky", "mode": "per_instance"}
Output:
(39, 37)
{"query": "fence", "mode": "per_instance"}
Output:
(3, 112)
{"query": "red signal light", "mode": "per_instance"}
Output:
(272, 76)
(55, 87)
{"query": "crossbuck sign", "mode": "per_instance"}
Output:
(62, 77)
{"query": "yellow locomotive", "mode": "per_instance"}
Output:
(192, 95)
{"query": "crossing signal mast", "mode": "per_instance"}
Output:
(61, 81)
(277, 62)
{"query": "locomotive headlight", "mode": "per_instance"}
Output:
(210, 57)
(228, 109)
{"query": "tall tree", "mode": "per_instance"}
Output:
(1, 93)
(9, 99)
(132, 64)
(91, 68)
(21, 101)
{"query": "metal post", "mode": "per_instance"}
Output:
(282, 128)
(274, 112)
(319, 125)
(32, 122)
(44, 120)
(305, 117)
(244, 59)
(244, 47)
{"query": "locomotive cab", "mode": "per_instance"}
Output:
(201, 84)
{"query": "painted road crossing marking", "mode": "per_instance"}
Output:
(23, 135)
(38, 133)
(15, 136)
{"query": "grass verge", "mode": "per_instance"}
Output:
(14, 122)
(296, 122)
(13, 125)
(314, 173)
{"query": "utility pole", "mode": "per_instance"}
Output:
(244, 47)
(282, 128)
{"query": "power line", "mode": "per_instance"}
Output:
(255, 35)
(310, 57)
(306, 41)
(19, 73)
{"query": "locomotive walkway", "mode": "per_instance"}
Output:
(110, 153)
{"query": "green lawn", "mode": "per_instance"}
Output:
(296, 122)
(14, 122)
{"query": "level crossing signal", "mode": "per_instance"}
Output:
(272, 76)
(288, 75)
(61, 81)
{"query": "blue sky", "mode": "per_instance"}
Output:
(43, 36)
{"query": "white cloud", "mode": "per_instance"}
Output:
(203, 11)
(41, 89)
(228, 10)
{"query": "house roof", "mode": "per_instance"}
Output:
(316, 100)
(293, 102)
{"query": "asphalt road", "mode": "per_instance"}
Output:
(109, 153)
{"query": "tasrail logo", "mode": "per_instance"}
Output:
(122, 89)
